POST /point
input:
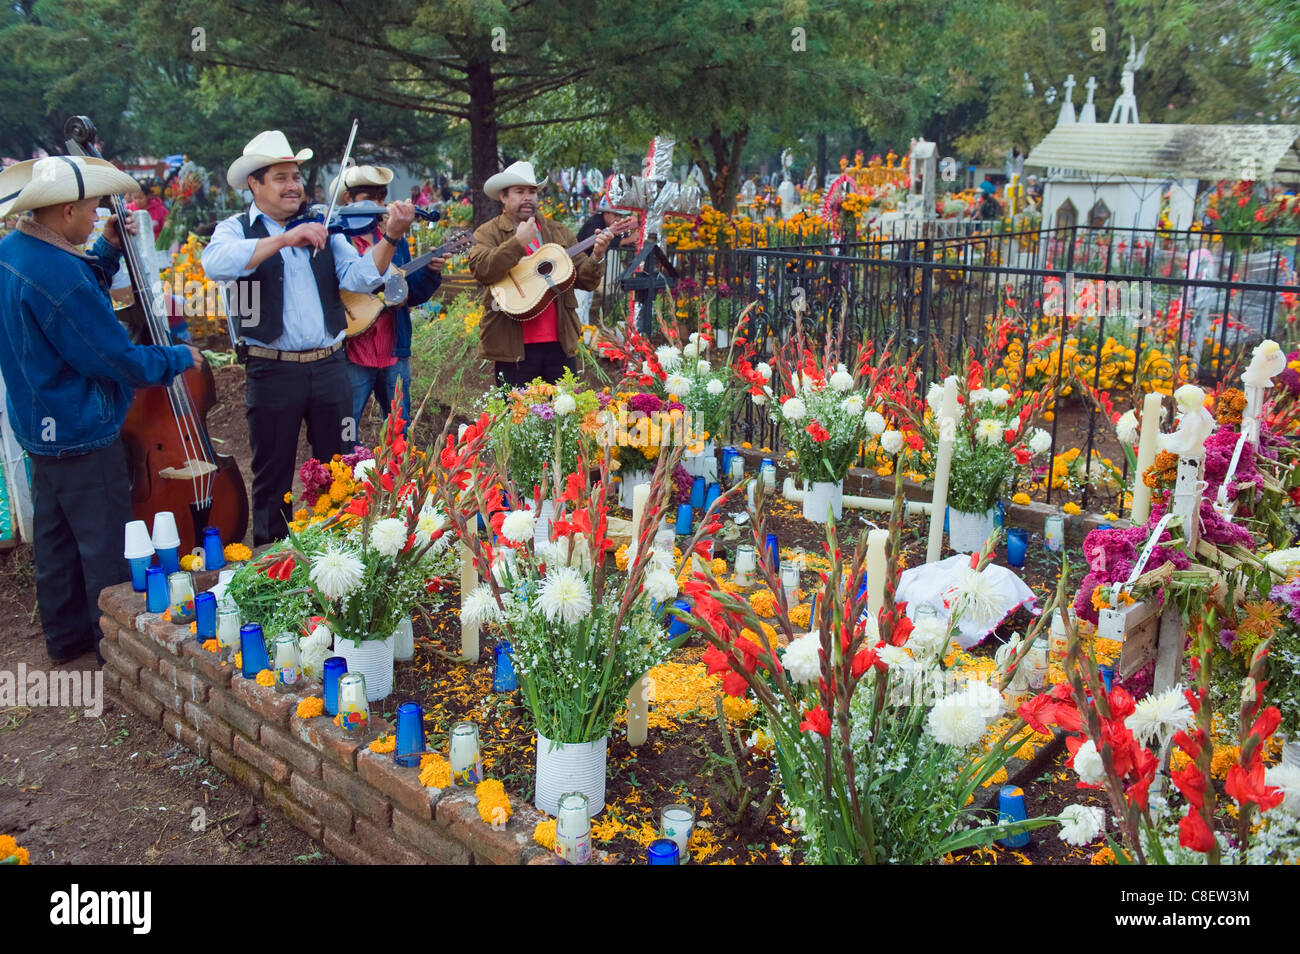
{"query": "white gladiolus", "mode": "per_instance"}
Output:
(1081, 824)
(794, 410)
(388, 536)
(841, 381)
(565, 404)
(1039, 440)
(1126, 428)
(891, 441)
(518, 526)
(715, 387)
(875, 423)
(802, 659)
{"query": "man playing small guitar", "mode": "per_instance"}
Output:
(543, 345)
(380, 355)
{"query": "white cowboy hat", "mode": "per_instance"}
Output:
(37, 183)
(519, 173)
(265, 149)
(378, 176)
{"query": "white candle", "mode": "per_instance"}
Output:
(942, 465)
(1152, 408)
(468, 580)
(640, 497)
(876, 570)
(638, 711)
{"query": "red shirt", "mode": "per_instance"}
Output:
(374, 347)
(546, 326)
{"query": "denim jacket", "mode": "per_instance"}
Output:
(69, 366)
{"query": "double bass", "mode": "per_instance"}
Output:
(170, 461)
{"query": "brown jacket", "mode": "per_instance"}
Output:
(501, 338)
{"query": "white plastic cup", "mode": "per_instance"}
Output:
(138, 544)
(165, 535)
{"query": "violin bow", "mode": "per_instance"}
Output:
(338, 186)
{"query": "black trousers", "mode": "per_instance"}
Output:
(280, 395)
(80, 505)
(546, 361)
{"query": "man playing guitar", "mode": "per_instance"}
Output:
(542, 346)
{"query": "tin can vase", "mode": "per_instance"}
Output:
(570, 767)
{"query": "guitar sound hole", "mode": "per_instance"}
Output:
(544, 268)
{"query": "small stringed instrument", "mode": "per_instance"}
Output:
(364, 307)
(538, 278)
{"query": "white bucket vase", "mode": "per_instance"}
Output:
(542, 524)
(564, 767)
(373, 658)
(823, 497)
(704, 464)
(631, 480)
(968, 531)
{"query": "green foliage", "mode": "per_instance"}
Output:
(443, 354)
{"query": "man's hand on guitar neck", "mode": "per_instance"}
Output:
(526, 232)
(603, 238)
(438, 264)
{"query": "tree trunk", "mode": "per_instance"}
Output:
(484, 159)
(821, 160)
(722, 170)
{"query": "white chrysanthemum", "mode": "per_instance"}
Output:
(670, 358)
(955, 720)
(892, 655)
(794, 409)
(929, 637)
(1126, 428)
(564, 596)
(691, 349)
(565, 404)
(1287, 778)
(715, 387)
(660, 585)
(1088, 765)
(891, 441)
(1286, 562)
(934, 398)
(1189, 398)
(802, 659)
(977, 601)
(479, 606)
(1157, 717)
(677, 384)
(875, 422)
(336, 574)
(853, 404)
(1081, 824)
(362, 469)
(986, 697)
(989, 430)
(312, 658)
(999, 397)
(841, 381)
(764, 369)
(1039, 440)
(703, 367)
(760, 399)
(980, 395)
(518, 526)
(430, 522)
(388, 536)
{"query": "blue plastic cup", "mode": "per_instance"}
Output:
(156, 600)
(675, 626)
(505, 679)
(946, 511)
(773, 552)
(685, 517)
(214, 555)
(1107, 674)
(662, 851)
(410, 735)
(335, 666)
(728, 452)
(1017, 545)
(205, 616)
(169, 558)
(139, 573)
(711, 495)
(698, 488)
(1011, 808)
(252, 647)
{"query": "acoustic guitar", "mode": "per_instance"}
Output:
(538, 278)
(364, 307)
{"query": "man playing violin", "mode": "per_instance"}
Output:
(543, 346)
(381, 355)
(70, 370)
(291, 321)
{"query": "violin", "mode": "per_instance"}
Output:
(357, 218)
(170, 461)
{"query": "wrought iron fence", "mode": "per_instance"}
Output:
(1143, 308)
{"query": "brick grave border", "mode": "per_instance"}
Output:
(363, 807)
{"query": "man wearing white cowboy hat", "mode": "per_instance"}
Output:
(291, 321)
(69, 368)
(542, 346)
(380, 356)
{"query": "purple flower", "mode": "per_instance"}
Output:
(1227, 639)
(682, 484)
(1218, 530)
(604, 399)
(544, 411)
(645, 403)
(1289, 379)
(1288, 593)
(1140, 684)
(358, 454)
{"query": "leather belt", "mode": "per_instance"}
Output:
(299, 357)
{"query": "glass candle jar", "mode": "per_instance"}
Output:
(228, 623)
(768, 472)
(1054, 533)
(573, 829)
(404, 641)
(736, 469)
(354, 710)
(1036, 665)
(180, 597)
(466, 764)
(288, 664)
(1058, 639)
(676, 823)
(745, 564)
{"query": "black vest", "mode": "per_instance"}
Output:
(265, 321)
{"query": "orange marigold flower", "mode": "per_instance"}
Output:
(311, 707)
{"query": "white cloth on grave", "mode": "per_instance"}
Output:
(935, 584)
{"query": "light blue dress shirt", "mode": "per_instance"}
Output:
(225, 258)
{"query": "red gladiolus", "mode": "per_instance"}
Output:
(816, 720)
(1187, 743)
(1191, 783)
(1009, 436)
(1248, 786)
(1121, 704)
(734, 684)
(902, 631)
(1023, 455)
(1193, 833)
(817, 432)
(715, 661)
(1267, 723)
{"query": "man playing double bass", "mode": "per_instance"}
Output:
(293, 337)
(70, 368)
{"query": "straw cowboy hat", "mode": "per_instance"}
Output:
(265, 149)
(54, 180)
(377, 176)
(519, 173)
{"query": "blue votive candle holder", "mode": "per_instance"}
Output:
(139, 573)
(252, 648)
(155, 590)
(505, 679)
(410, 735)
(334, 667)
(773, 552)
(698, 488)
(675, 626)
(1017, 545)
(1011, 808)
(685, 516)
(214, 554)
(662, 851)
(711, 495)
(1107, 674)
(205, 616)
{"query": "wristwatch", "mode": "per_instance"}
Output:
(391, 240)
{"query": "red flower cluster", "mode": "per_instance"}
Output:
(743, 655)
